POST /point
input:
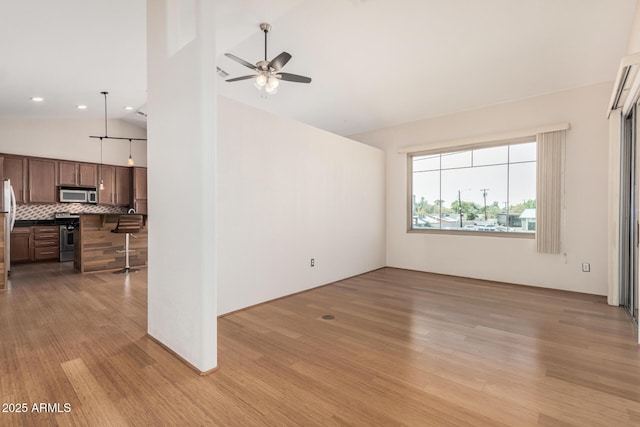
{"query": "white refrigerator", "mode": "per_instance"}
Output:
(8, 206)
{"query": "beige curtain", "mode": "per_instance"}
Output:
(549, 191)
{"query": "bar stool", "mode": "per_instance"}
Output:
(127, 224)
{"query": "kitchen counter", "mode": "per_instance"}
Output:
(32, 222)
(96, 246)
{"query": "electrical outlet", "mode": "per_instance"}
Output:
(586, 267)
(313, 262)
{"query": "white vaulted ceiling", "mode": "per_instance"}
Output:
(68, 51)
(374, 63)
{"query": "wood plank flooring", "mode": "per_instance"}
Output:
(404, 348)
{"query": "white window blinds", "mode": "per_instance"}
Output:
(549, 191)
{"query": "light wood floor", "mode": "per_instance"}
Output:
(405, 348)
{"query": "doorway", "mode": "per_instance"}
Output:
(629, 226)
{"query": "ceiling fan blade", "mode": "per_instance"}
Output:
(294, 78)
(235, 79)
(279, 61)
(240, 61)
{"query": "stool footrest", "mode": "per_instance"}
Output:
(126, 270)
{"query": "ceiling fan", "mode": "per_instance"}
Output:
(268, 72)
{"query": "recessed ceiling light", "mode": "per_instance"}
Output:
(81, 107)
(37, 99)
(128, 107)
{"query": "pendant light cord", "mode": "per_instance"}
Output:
(106, 133)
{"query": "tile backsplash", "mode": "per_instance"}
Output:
(34, 211)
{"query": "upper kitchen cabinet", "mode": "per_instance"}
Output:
(139, 183)
(140, 190)
(106, 195)
(15, 169)
(68, 173)
(78, 174)
(117, 185)
(88, 174)
(123, 186)
(43, 174)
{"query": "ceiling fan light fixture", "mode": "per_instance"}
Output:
(273, 82)
(271, 90)
(261, 80)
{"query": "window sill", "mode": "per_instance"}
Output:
(509, 235)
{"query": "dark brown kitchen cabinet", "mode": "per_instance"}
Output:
(123, 186)
(88, 174)
(1, 177)
(139, 183)
(21, 244)
(15, 169)
(77, 174)
(38, 243)
(36, 180)
(67, 173)
(43, 174)
(106, 195)
(117, 185)
(140, 190)
(140, 206)
(46, 243)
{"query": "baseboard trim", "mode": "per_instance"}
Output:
(296, 293)
(180, 358)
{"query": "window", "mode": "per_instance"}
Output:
(483, 189)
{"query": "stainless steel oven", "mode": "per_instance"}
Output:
(66, 242)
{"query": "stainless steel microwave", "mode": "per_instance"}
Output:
(78, 195)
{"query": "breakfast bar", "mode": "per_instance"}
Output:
(99, 249)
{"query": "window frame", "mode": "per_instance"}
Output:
(454, 149)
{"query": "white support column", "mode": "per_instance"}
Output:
(182, 294)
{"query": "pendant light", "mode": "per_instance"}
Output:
(101, 180)
(106, 136)
(130, 161)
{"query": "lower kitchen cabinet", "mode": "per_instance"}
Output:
(20, 248)
(37, 243)
(46, 243)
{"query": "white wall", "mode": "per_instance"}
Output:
(505, 259)
(634, 37)
(68, 139)
(287, 193)
(182, 178)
